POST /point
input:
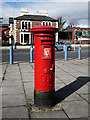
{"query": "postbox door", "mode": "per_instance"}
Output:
(47, 79)
(44, 62)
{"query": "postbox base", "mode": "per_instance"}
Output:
(44, 99)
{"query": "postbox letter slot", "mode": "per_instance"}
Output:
(46, 41)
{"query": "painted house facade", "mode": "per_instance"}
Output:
(20, 27)
(81, 35)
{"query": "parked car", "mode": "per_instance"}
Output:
(61, 45)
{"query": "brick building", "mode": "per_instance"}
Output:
(20, 26)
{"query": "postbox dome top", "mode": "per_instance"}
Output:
(44, 29)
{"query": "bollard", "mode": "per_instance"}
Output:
(64, 47)
(79, 52)
(44, 83)
(31, 53)
(11, 54)
(66, 52)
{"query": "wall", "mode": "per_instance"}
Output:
(34, 23)
(18, 27)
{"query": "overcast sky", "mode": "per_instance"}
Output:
(68, 10)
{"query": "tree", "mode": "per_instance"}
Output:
(61, 24)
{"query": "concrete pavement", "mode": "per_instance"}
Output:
(71, 85)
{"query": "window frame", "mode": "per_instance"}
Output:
(26, 23)
(46, 22)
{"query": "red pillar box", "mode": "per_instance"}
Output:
(44, 84)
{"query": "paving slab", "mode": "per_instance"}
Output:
(26, 68)
(86, 97)
(0, 90)
(76, 74)
(49, 114)
(15, 112)
(28, 74)
(62, 74)
(0, 82)
(10, 73)
(89, 110)
(0, 102)
(57, 81)
(59, 86)
(13, 100)
(75, 66)
(11, 83)
(67, 80)
(73, 97)
(3, 68)
(1, 75)
(83, 90)
(29, 90)
(12, 77)
(57, 69)
(23, 70)
(76, 109)
(25, 80)
(12, 90)
(86, 118)
(0, 114)
(12, 67)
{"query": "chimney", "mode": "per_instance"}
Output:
(43, 12)
(24, 11)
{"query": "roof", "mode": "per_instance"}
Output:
(35, 18)
(81, 28)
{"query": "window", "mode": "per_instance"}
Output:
(46, 23)
(43, 23)
(21, 38)
(28, 25)
(26, 38)
(49, 23)
(25, 25)
(22, 25)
